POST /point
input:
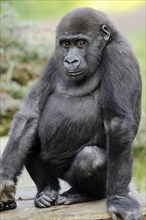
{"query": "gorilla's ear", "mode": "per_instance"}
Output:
(106, 32)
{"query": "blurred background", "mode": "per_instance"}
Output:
(27, 41)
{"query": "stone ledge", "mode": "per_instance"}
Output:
(84, 211)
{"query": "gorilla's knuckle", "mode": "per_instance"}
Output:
(130, 215)
(7, 205)
(112, 208)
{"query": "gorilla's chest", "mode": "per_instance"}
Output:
(69, 122)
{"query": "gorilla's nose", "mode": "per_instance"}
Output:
(71, 62)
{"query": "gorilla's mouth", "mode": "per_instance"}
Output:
(71, 73)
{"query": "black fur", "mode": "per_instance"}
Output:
(79, 121)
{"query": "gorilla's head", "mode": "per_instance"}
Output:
(81, 37)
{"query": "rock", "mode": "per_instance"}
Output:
(84, 211)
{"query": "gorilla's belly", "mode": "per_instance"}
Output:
(68, 123)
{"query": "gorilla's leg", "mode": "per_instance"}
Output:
(47, 184)
(87, 176)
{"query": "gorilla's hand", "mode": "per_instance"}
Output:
(7, 195)
(46, 197)
(125, 206)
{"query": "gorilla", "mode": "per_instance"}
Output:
(79, 121)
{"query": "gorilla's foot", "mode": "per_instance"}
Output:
(72, 196)
(46, 197)
(7, 195)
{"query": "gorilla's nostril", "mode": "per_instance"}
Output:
(71, 60)
(75, 61)
(71, 63)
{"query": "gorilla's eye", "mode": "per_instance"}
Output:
(65, 44)
(81, 43)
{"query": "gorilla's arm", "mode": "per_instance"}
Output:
(121, 88)
(21, 137)
(24, 130)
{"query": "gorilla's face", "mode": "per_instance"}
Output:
(74, 48)
(80, 42)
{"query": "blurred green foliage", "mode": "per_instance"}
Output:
(43, 9)
(139, 169)
(137, 40)
(39, 10)
(21, 62)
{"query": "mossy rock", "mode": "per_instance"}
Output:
(9, 106)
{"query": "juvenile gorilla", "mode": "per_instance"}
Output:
(79, 121)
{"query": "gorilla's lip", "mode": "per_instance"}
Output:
(71, 73)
